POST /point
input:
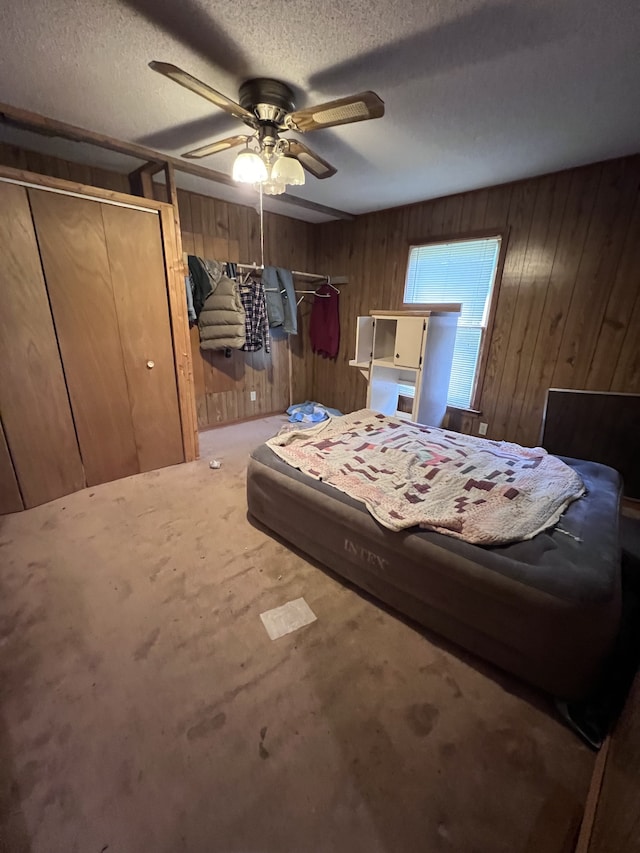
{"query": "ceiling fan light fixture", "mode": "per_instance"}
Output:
(267, 107)
(287, 170)
(248, 168)
(272, 187)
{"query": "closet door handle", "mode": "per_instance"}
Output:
(151, 364)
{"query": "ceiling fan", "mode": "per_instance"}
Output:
(267, 107)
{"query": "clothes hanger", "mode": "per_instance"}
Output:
(321, 295)
(313, 293)
(246, 280)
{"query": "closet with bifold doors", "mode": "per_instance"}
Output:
(88, 383)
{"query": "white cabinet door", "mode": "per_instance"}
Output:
(364, 340)
(408, 341)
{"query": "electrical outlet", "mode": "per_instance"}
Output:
(253, 396)
(482, 429)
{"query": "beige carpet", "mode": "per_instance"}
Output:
(145, 709)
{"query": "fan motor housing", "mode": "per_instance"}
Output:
(270, 100)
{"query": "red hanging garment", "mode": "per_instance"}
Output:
(324, 326)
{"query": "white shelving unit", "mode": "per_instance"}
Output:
(404, 352)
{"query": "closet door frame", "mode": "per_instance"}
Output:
(174, 268)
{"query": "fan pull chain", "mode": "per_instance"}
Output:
(261, 229)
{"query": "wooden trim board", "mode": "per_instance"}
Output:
(184, 358)
(421, 310)
(485, 343)
(141, 181)
(455, 236)
(171, 235)
(181, 339)
(593, 795)
(45, 182)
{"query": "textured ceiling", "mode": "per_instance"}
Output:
(476, 92)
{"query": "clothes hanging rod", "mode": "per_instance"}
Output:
(338, 279)
(299, 274)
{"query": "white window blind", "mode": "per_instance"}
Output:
(461, 271)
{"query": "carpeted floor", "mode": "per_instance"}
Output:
(145, 709)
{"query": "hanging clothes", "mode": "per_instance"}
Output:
(191, 311)
(324, 325)
(282, 309)
(275, 308)
(256, 321)
(201, 282)
(289, 302)
(222, 319)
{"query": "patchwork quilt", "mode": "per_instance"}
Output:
(485, 492)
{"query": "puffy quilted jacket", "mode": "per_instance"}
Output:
(222, 319)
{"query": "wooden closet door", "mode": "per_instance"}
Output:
(76, 267)
(136, 261)
(10, 497)
(33, 396)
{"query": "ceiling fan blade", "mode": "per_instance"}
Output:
(199, 88)
(312, 162)
(214, 147)
(360, 107)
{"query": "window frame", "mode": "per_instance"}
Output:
(487, 331)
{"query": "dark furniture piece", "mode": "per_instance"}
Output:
(600, 426)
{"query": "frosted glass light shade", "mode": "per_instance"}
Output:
(288, 170)
(272, 187)
(248, 168)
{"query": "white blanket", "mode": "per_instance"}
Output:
(485, 492)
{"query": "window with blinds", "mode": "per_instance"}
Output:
(460, 271)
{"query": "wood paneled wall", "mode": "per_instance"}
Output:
(217, 229)
(21, 158)
(225, 231)
(568, 309)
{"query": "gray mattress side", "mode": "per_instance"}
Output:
(554, 640)
(580, 561)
